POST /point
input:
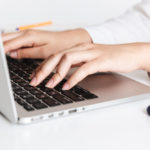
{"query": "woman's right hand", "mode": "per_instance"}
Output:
(41, 44)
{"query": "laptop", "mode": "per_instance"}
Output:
(23, 104)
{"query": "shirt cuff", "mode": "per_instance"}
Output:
(100, 35)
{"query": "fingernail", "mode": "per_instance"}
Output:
(66, 86)
(13, 54)
(50, 83)
(33, 81)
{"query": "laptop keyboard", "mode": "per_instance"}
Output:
(40, 97)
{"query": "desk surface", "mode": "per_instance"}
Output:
(122, 127)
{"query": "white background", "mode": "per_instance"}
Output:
(123, 127)
(61, 12)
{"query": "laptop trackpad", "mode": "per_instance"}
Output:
(113, 86)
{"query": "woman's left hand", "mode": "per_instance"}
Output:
(91, 58)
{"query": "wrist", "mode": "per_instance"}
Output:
(71, 38)
(144, 56)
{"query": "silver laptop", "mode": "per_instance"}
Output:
(24, 104)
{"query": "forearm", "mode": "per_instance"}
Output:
(142, 55)
(145, 57)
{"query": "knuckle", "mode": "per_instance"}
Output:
(53, 56)
(67, 56)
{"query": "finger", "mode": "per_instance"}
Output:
(45, 69)
(48, 66)
(65, 64)
(80, 74)
(46, 61)
(18, 42)
(35, 52)
(9, 36)
(37, 69)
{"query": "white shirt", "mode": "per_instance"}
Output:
(133, 26)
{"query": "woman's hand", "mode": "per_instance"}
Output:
(41, 44)
(91, 58)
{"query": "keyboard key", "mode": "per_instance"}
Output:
(15, 97)
(58, 88)
(24, 75)
(28, 70)
(13, 85)
(14, 69)
(18, 91)
(19, 72)
(26, 95)
(30, 62)
(41, 95)
(29, 88)
(42, 87)
(51, 92)
(32, 100)
(19, 64)
(15, 88)
(84, 93)
(60, 85)
(23, 84)
(39, 105)
(48, 91)
(73, 96)
(10, 65)
(20, 101)
(46, 80)
(13, 76)
(63, 99)
(51, 102)
(28, 107)
(18, 80)
(90, 96)
(35, 91)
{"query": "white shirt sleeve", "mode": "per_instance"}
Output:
(133, 26)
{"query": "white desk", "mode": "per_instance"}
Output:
(123, 127)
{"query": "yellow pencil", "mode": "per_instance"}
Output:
(34, 26)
